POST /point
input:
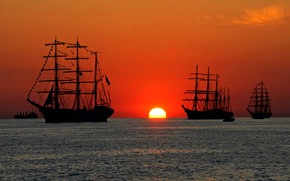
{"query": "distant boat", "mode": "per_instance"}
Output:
(70, 86)
(259, 106)
(206, 100)
(26, 115)
(229, 119)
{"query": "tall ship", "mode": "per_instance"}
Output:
(259, 106)
(206, 100)
(70, 86)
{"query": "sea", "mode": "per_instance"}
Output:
(145, 149)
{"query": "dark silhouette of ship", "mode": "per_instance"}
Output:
(70, 86)
(206, 100)
(259, 106)
(26, 115)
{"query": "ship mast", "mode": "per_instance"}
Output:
(196, 91)
(56, 69)
(266, 106)
(95, 81)
(78, 72)
(228, 101)
(196, 87)
(96, 84)
(256, 99)
(262, 101)
(216, 92)
(207, 91)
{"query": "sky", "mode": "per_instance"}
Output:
(150, 47)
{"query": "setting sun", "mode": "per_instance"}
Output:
(157, 113)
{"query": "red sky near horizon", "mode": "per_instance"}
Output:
(149, 48)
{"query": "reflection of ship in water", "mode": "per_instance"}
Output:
(259, 106)
(206, 100)
(26, 115)
(70, 86)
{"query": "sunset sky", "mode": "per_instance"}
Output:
(149, 48)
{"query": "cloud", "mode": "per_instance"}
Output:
(207, 17)
(266, 16)
(220, 17)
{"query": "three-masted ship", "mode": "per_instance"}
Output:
(259, 106)
(206, 100)
(70, 86)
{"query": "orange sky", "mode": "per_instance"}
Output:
(149, 48)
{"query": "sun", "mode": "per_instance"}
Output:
(157, 113)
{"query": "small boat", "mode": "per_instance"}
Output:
(26, 115)
(259, 106)
(229, 119)
(70, 86)
(206, 100)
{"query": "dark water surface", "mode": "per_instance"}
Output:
(144, 149)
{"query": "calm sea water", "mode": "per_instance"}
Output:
(144, 149)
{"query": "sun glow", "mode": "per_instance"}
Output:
(157, 113)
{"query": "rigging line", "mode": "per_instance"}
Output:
(45, 63)
(104, 91)
(62, 52)
(109, 97)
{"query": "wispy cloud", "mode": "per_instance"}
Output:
(220, 17)
(207, 17)
(266, 16)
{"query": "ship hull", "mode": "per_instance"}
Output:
(214, 114)
(101, 114)
(229, 120)
(260, 115)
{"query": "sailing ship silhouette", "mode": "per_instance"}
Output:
(206, 102)
(259, 106)
(65, 91)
